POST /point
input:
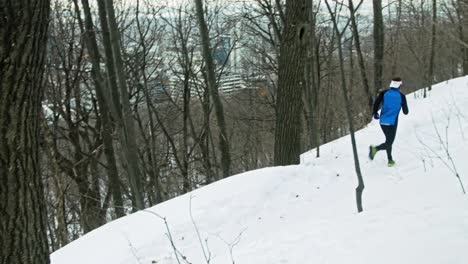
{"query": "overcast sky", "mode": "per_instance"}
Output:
(366, 7)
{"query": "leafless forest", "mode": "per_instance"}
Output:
(144, 101)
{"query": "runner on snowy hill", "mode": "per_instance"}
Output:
(392, 101)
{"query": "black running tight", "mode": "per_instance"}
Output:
(390, 133)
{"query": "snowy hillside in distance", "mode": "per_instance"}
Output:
(414, 212)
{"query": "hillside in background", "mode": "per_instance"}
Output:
(415, 212)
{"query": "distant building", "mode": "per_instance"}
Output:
(222, 50)
(231, 83)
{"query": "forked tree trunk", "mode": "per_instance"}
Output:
(23, 230)
(344, 90)
(291, 83)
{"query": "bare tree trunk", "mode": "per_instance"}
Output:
(213, 88)
(112, 171)
(186, 111)
(187, 186)
(129, 145)
(464, 15)
(89, 203)
(78, 171)
(362, 66)
(50, 149)
(204, 140)
(23, 34)
(396, 40)
(312, 83)
(360, 187)
(59, 195)
(61, 210)
(152, 146)
(317, 68)
(378, 45)
(430, 77)
(291, 84)
(113, 89)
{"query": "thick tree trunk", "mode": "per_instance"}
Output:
(291, 83)
(378, 45)
(213, 89)
(23, 230)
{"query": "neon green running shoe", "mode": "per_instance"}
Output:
(391, 163)
(372, 152)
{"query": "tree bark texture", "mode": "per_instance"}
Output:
(23, 34)
(213, 89)
(291, 83)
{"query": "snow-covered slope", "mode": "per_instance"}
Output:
(414, 212)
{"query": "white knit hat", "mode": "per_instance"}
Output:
(395, 84)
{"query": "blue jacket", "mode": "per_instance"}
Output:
(392, 101)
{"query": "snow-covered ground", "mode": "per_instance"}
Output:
(414, 212)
